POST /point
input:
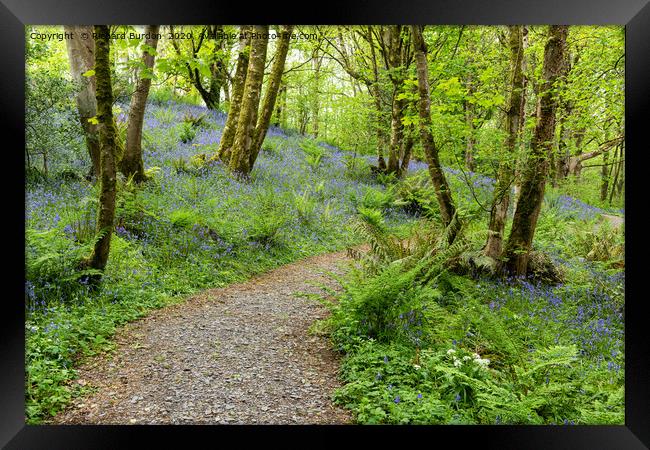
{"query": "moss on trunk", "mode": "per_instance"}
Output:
(514, 113)
(518, 247)
(443, 193)
(107, 138)
(244, 135)
(271, 92)
(229, 129)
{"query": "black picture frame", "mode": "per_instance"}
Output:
(15, 14)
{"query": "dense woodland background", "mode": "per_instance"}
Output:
(483, 165)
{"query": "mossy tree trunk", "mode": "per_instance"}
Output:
(107, 139)
(396, 137)
(565, 134)
(81, 54)
(517, 249)
(228, 133)
(316, 62)
(381, 132)
(375, 91)
(396, 50)
(407, 150)
(245, 133)
(132, 163)
(514, 113)
(280, 106)
(443, 193)
(271, 92)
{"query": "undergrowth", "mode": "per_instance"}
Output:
(428, 341)
(190, 227)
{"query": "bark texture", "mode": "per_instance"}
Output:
(132, 163)
(271, 92)
(443, 194)
(245, 133)
(515, 111)
(228, 134)
(407, 150)
(107, 137)
(533, 182)
(396, 51)
(81, 54)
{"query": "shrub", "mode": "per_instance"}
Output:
(186, 132)
(416, 195)
(314, 153)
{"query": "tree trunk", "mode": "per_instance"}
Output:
(210, 96)
(218, 81)
(394, 51)
(563, 154)
(271, 92)
(228, 133)
(81, 54)
(617, 170)
(443, 194)
(381, 133)
(534, 176)
(406, 153)
(575, 162)
(621, 165)
(279, 109)
(107, 136)
(605, 172)
(245, 133)
(396, 136)
(315, 95)
(375, 92)
(226, 92)
(516, 102)
(132, 163)
(522, 123)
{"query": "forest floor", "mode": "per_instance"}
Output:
(242, 354)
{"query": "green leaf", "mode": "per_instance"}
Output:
(88, 73)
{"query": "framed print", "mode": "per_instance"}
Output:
(408, 216)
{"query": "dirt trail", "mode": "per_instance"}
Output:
(235, 355)
(615, 222)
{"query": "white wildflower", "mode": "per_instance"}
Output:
(457, 362)
(451, 351)
(483, 362)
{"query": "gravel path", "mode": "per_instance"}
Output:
(615, 221)
(235, 355)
